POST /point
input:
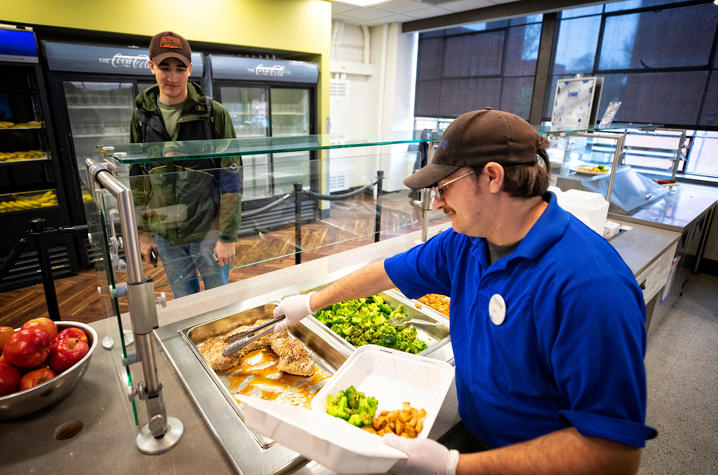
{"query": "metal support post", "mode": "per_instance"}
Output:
(162, 432)
(617, 157)
(426, 198)
(679, 155)
(43, 257)
(297, 223)
(379, 189)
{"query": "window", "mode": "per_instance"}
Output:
(674, 37)
(655, 57)
(490, 64)
(576, 45)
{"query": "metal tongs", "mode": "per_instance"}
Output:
(403, 322)
(242, 339)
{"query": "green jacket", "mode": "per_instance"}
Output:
(182, 200)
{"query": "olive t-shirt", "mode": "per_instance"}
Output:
(497, 252)
(171, 115)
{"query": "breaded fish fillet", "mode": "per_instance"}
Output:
(293, 357)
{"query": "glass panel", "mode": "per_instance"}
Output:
(674, 37)
(576, 46)
(101, 228)
(516, 95)
(248, 108)
(462, 95)
(702, 157)
(522, 50)
(290, 112)
(184, 150)
(99, 112)
(633, 4)
(473, 55)
(430, 51)
(581, 11)
(184, 211)
(709, 113)
(666, 98)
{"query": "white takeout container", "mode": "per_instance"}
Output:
(391, 376)
(589, 207)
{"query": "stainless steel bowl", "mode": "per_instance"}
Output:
(33, 399)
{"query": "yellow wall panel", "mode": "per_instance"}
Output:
(291, 25)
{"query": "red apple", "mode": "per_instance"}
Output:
(27, 348)
(42, 322)
(67, 352)
(9, 378)
(35, 377)
(72, 332)
(5, 334)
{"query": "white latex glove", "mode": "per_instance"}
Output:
(426, 456)
(293, 308)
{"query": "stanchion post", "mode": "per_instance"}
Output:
(43, 256)
(379, 187)
(298, 223)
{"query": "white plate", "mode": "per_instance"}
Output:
(584, 172)
(390, 376)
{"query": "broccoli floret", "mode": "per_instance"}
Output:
(408, 334)
(352, 406)
(337, 406)
(417, 346)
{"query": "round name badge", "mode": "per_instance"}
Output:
(497, 309)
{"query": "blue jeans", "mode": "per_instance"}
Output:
(184, 263)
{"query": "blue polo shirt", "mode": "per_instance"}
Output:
(570, 349)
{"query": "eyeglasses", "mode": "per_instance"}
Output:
(440, 190)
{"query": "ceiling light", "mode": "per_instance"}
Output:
(365, 3)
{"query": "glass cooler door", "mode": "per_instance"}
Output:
(248, 108)
(290, 117)
(99, 112)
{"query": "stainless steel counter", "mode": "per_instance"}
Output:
(107, 443)
(676, 210)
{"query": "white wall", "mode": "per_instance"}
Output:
(378, 100)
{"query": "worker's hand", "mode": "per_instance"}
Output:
(224, 252)
(293, 308)
(426, 456)
(147, 243)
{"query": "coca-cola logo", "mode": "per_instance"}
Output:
(126, 61)
(275, 70)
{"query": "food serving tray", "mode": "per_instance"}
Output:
(422, 307)
(256, 376)
(434, 336)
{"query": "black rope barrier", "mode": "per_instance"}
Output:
(298, 192)
(316, 196)
(255, 212)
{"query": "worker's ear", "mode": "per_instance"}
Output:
(495, 174)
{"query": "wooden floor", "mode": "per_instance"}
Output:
(351, 225)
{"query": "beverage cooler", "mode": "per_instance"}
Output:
(31, 187)
(270, 98)
(92, 91)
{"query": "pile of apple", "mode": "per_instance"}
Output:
(37, 352)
